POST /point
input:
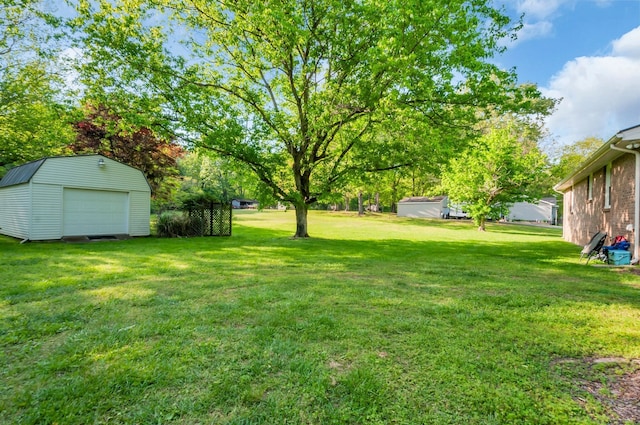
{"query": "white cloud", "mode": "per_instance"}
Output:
(628, 45)
(538, 17)
(531, 31)
(540, 9)
(600, 94)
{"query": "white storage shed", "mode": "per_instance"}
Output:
(86, 195)
(545, 210)
(421, 207)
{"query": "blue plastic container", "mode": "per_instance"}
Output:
(619, 258)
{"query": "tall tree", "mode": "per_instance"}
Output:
(572, 155)
(105, 133)
(33, 121)
(21, 32)
(501, 167)
(297, 89)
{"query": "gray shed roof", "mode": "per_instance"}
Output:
(21, 174)
(422, 199)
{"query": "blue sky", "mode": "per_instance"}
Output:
(586, 52)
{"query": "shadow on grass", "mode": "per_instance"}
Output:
(267, 329)
(524, 229)
(260, 254)
(496, 227)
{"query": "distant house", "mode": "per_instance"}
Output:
(422, 207)
(439, 207)
(545, 210)
(87, 195)
(244, 203)
(603, 193)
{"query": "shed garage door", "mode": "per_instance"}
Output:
(95, 212)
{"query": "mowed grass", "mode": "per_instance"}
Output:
(375, 320)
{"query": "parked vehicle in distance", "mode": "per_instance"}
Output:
(454, 211)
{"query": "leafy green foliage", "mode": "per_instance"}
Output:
(571, 156)
(199, 200)
(499, 168)
(33, 121)
(32, 124)
(299, 91)
(204, 173)
(27, 32)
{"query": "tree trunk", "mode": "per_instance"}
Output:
(413, 183)
(394, 195)
(301, 220)
(377, 202)
(360, 204)
(481, 222)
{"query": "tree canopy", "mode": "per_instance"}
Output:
(297, 90)
(501, 167)
(33, 120)
(572, 155)
(32, 123)
(203, 173)
(103, 132)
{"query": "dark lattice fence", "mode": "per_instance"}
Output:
(210, 219)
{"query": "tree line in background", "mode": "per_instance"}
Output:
(316, 104)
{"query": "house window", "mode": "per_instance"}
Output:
(607, 186)
(590, 187)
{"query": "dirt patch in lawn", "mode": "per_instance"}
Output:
(634, 270)
(614, 383)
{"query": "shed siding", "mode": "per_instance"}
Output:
(420, 209)
(530, 212)
(139, 207)
(83, 172)
(14, 211)
(35, 210)
(46, 220)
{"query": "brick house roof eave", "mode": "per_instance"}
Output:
(599, 158)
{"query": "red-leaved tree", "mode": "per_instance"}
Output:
(103, 132)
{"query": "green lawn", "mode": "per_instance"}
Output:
(375, 320)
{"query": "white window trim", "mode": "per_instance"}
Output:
(590, 187)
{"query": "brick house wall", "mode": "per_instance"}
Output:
(583, 217)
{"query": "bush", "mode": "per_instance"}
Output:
(197, 201)
(173, 224)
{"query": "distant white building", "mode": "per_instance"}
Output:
(244, 204)
(422, 207)
(545, 210)
(86, 195)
